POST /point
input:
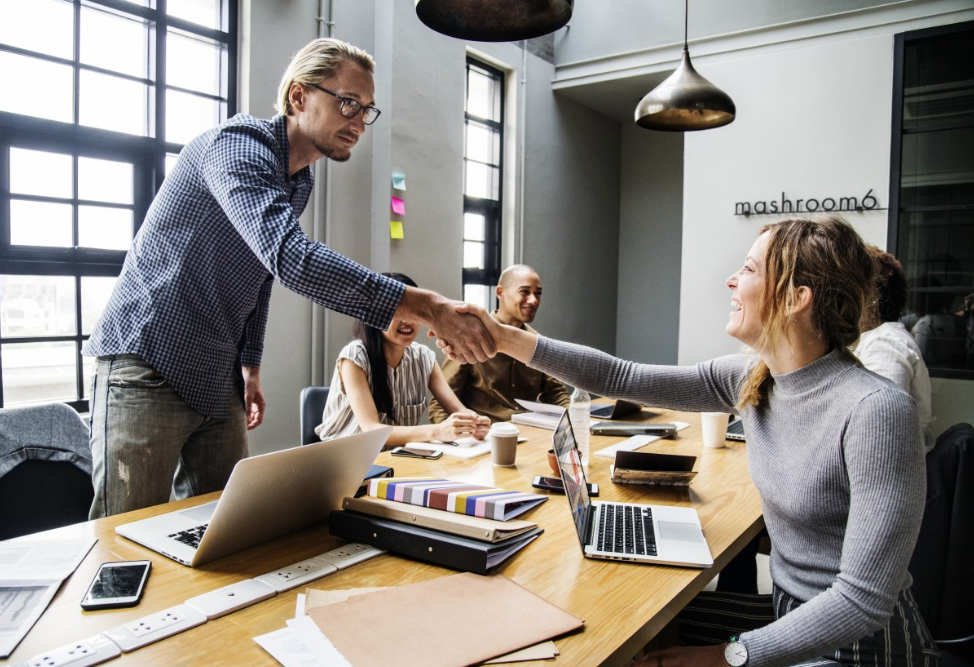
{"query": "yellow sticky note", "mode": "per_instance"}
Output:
(395, 229)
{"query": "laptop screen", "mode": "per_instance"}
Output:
(572, 475)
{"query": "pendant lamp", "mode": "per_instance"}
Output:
(685, 101)
(494, 20)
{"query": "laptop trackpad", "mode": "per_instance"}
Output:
(683, 532)
(201, 513)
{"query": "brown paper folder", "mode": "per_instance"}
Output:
(453, 621)
(474, 527)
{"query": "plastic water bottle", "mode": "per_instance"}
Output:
(579, 414)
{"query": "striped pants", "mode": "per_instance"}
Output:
(712, 617)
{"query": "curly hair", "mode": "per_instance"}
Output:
(889, 290)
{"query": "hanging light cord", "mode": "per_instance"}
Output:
(686, 21)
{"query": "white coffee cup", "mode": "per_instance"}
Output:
(714, 428)
(503, 444)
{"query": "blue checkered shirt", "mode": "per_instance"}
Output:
(193, 294)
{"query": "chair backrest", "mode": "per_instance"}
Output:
(45, 469)
(313, 400)
(942, 576)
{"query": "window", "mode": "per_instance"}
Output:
(97, 97)
(932, 192)
(482, 154)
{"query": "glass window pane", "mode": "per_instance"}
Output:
(44, 26)
(112, 103)
(481, 180)
(188, 116)
(114, 42)
(36, 88)
(40, 224)
(478, 294)
(473, 226)
(108, 228)
(203, 12)
(483, 143)
(193, 63)
(473, 255)
(38, 372)
(40, 173)
(481, 94)
(935, 166)
(95, 292)
(105, 180)
(36, 306)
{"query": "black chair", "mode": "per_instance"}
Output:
(943, 579)
(45, 469)
(313, 400)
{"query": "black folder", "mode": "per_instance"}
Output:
(430, 546)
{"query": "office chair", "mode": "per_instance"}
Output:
(943, 579)
(313, 400)
(45, 469)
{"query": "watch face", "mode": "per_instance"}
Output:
(735, 654)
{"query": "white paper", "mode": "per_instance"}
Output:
(287, 647)
(466, 448)
(634, 443)
(546, 408)
(317, 642)
(21, 604)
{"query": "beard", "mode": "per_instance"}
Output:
(336, 153)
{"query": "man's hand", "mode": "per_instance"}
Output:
(491, 325)
(464, 331)
(253, 397)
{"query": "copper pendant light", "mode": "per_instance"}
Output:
(685, 101)
(494, 20)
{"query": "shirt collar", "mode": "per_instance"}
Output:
(279, 130)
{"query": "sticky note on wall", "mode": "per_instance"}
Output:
(398, 206)
(395, 229)
(399, 181)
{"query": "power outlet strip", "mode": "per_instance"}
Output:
(291, 576)
(350, 554)
(91, 651)
(230, 598)
(154, 627)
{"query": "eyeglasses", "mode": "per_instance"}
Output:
(351, 107)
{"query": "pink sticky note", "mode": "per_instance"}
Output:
(398, 206)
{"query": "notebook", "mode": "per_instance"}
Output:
(266, 496)
(637, 533)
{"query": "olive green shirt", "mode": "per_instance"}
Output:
(490, 387)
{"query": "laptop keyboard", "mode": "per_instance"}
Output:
(626, 529)
(190, 537)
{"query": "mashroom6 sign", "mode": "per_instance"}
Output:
(867, 202)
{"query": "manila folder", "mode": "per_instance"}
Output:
(468, 618)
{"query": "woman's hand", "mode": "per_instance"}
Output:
(483, 427)
(459, 425)
(686, 656)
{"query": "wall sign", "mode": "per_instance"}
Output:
(809, 205)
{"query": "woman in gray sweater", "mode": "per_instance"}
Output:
(834, 450)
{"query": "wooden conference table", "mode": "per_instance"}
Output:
(624, 605)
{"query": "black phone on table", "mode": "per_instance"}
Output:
(417, 452)
(117, 584)
(555, 484)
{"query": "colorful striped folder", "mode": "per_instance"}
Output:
(458, 497)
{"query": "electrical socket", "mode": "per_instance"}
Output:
(91, 651)
(350, 554)
(154, 627)
(291, 576)
(228, 599)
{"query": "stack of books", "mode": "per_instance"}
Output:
(463, 526)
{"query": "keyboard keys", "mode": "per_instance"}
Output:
(190, 537)
(625, 529)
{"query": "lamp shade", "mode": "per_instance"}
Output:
(494, 20)
(685, 102)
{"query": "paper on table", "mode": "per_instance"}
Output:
(289, 648)
(465, 448)
(634, 443)
(545, 408)
(508, 618)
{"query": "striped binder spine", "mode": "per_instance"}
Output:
(452, 496)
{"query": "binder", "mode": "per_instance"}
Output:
(452, 496)
(430, 546)
(476, 528)
(650, 468)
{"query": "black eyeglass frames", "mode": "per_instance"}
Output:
(351, 107)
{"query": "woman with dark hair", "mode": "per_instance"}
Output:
(886, 347)
(833, 450)
(381, 377)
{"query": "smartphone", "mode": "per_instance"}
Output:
(118, 584)
(417, 452)
(555, 484)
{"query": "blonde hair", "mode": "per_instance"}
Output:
(829, 257)
(318, 60)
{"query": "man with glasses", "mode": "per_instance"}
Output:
(177, 380)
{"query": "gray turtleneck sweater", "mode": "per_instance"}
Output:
(837, 457)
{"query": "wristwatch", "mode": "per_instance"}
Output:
(735, 653)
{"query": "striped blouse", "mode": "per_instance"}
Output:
(408, 383)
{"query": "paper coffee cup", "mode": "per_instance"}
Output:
(714, 428)
(503, 444)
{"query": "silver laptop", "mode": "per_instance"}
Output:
(627, 531)
(266, 496)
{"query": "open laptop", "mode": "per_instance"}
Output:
(266, 496)
(616, 410)
(626, 531)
